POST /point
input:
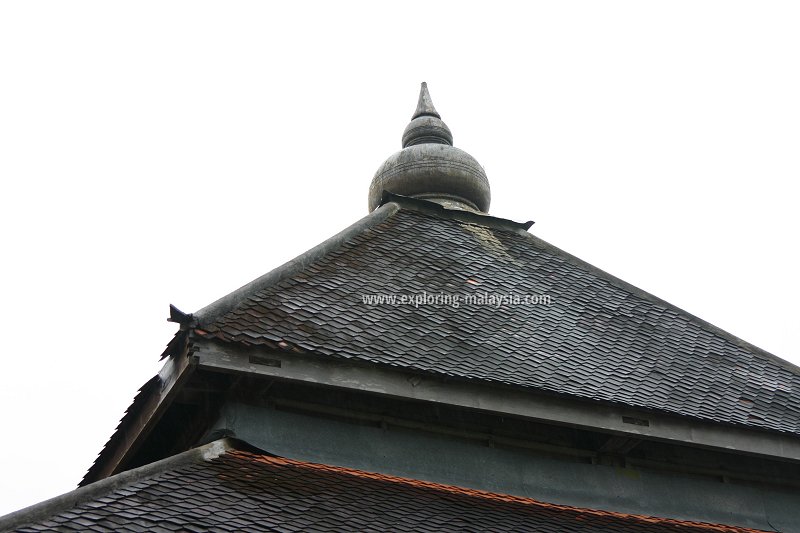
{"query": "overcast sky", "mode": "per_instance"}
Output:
(169, 152)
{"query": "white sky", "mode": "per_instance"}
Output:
(169, 152)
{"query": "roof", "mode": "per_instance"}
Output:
(227, 486)
(599, 338)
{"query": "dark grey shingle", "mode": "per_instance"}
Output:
(241, 491)
(599, 339)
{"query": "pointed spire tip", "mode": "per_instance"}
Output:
(425, 104)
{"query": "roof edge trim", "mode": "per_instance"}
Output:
(211, 312)
(68, 500)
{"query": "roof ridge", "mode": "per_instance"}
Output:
(622, 284)
(391, 204)
(227, 303)
(492, 496)
(94, 490)
(436, 210)
(703, 346)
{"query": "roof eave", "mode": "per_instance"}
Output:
(148, 407)
(498, 398)
(102, 487)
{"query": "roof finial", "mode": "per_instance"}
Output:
(425, 106)
(426, 125)
(429, 167)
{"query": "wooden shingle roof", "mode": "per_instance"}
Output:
(597, 338)
(228, 486)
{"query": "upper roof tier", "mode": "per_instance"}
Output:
(430, 167)
(511, 310)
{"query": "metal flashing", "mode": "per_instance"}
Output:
(438, 210)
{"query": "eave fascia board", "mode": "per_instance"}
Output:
(497, 399)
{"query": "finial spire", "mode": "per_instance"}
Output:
(430, 167)
(425, 105)
(426, 125)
